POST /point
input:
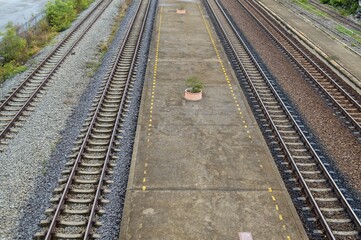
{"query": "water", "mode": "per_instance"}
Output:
(19, 11)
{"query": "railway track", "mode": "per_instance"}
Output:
(339, 18)
(77, 202)
(327, 24)
(328, 83)
(334, 214)
(16, 106)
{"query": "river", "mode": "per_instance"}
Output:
(19, 11)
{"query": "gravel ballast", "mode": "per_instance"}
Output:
(113, 210)
(25, 165)
(326, 128)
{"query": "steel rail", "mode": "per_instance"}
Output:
(114, 132)
(47, 77)
(273, 125)
(335, 15)
(313, 201)
(88, 133)
(313, 63)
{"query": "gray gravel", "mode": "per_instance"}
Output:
(333, 140)
(326, 24)
(25, 163)
(112, 218)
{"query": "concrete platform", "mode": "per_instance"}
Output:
(200, 170)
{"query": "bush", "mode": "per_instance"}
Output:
(9, 70)
(12, 46)
(60, 14)
(80, 5)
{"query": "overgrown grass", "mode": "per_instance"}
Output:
(121, 14)
(356, 35)
(94, 65)
(308, 7)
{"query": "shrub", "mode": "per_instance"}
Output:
(12, 46)
(9, 70)
(80, 5)
(60, 14)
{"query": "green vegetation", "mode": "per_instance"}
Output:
(17, 47)
(60, 14)
(354, 34)
(93, 65)
(308, 7)
(345, 7)
(194, 84)
(12, 46)
(10, 69)
(103, 48)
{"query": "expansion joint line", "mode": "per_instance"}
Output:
(154, 82)
(273, 198)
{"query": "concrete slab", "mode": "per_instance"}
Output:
(197, 215)
(200, 170)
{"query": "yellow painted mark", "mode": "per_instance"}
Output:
(288, 238)
(144, 187)
(223, 69)
(231, 90)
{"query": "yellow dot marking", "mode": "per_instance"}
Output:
(277, 208)
(152, 95)
(234, 97)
